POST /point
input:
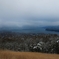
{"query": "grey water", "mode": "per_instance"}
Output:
(40, 30)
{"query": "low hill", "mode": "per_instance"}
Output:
(26, 55)
(53, 28)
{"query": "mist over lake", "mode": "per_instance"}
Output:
(41, 30)
(29, 29)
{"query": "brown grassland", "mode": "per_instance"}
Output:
(26, 55)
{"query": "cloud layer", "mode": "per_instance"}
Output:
(29, 12)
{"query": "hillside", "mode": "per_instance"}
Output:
(47, 43)
(26, 55)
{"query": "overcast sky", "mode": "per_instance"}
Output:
(29, 12)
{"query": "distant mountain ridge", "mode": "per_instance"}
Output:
(53, 28)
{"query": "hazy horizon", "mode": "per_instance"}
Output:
(29, 13)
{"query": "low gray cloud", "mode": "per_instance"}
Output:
(29, 12)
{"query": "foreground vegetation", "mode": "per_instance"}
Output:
(26, 55)
(30, 42)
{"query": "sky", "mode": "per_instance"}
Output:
(29, 12)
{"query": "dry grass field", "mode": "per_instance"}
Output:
(26, 55)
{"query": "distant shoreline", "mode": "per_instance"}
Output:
(52, 30)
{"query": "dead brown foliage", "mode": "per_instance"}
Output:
(26, 55)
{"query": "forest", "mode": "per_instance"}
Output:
(29, 42)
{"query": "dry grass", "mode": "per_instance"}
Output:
(26, 55)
